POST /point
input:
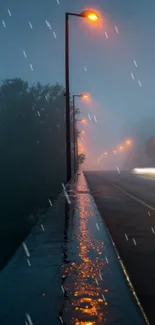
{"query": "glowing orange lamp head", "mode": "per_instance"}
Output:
(128, 142)
(85, 96)
(89, 14)
(92, 16)
(84, 121)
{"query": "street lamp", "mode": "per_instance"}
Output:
(75, 146)
(121, 148)
(83, 121)
(128, 142)
(92, 16)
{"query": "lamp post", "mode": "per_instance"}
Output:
(93, 16)
(75, 146)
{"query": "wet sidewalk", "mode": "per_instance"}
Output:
(67, 271)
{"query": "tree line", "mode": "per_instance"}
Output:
(32, 153)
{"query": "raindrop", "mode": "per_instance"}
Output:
(95, 119)
(48, 24)
(140, 85)
(106, 35)
(30, 25)
(4, 24)
(54, 35)
(116, 29)
(66, 194)
(50, 202)
(25, 54)
(9, 12)
(135, 63)
(31, 66)
(42, 227)
(28, 317)
(26, 249)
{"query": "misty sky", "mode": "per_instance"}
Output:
(116, 97)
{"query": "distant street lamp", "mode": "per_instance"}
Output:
(121, 148)
(83, 121)
(128, 142)
(75, 145)
(92, 16)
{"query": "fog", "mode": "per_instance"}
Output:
(112, 61)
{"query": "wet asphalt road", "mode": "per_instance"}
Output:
(131, 224)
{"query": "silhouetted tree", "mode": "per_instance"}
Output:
(32, 150)
(150, 148)
(81, 158)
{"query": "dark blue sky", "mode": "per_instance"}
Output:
(109, 62)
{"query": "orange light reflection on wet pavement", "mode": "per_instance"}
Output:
(86, 296)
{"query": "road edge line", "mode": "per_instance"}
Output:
(132, 196)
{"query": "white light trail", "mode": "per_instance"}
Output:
(144, 171)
